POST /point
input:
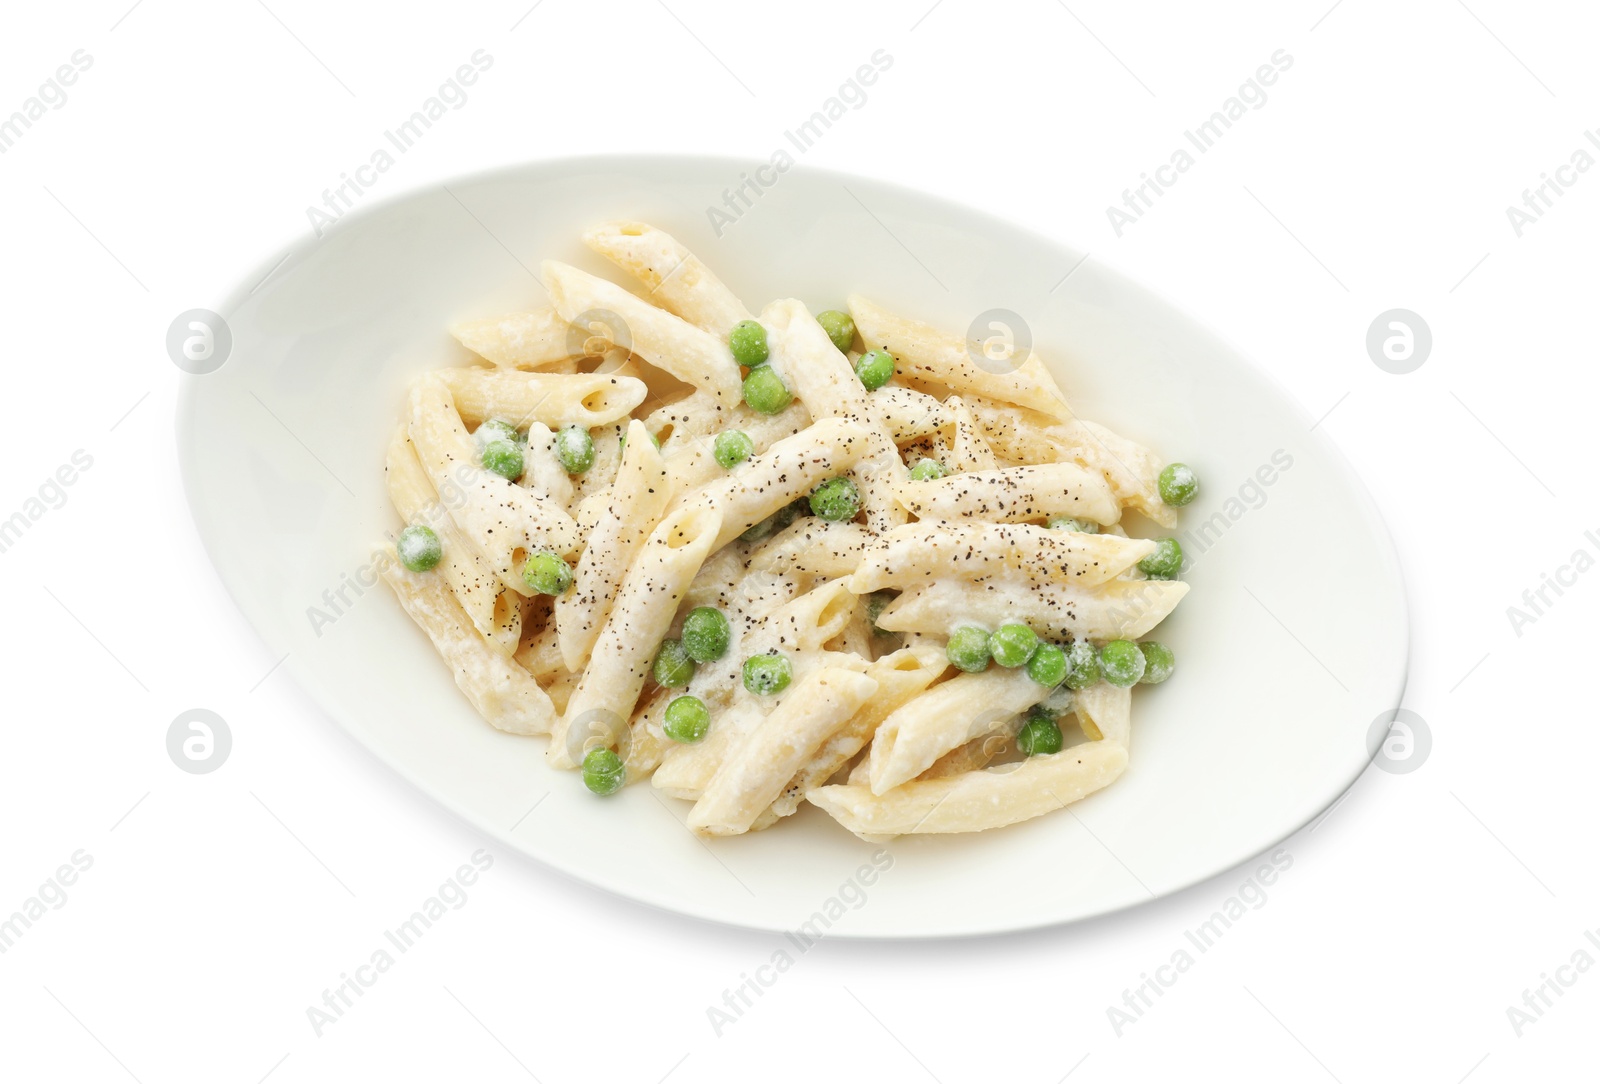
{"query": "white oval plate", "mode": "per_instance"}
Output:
(1293, 639)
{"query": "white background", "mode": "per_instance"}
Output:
(1377, 175)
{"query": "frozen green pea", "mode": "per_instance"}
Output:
(494, 429)
(765, 391)
(1158, 662)
(673, 667)
(705, 634)
(1072, 523)
(1121, 663)
(1165, 563)
(731, 448)
(748, 341)
(419, 548)
(1177, 484)
(840, 327)
(575, 449)
(1013, 645)
(603, 771)
(1048, 666)
(765, 675)
(547, 573)
(837, 499)
(874, 368)
(503, 457)
(968, 649)
(927, 470)
(1083, 665)
(1039, 736)
(686, 720)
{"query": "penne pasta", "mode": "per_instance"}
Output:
(504, 694)
(554, 399)
(921, 552)
(678, 281)
(540, 339)
(1116, 610)
(947, 716)
(1105, 713)
(666, 341)
(1013, 494)
(976, 801)
(928, 356)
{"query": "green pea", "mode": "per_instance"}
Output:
(1158, 662)
(603, 771)
(496, 429)
(575, 449)
(418, 548)
(840, 328)
(1165, 563)
(875, 367)
(765, 392)
(765, 675)
(1083, 665)
(927, 470)
(732, 448)
(1071, 523)
(687, 720)
(1039, 736)
(968, 649)
(748, 341)
(876, 603)
(837, 499)
(1013, 645)
(1177, 484)
(503, 457)
(1121, 663)
(705, 634)
(547, 573)
(673, 667)
(1048, 667)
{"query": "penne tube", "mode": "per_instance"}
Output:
(878, 475)
(1013, 494)
(633, 506)
(947, 716)
(976, 801)
(493, 611)
(968, 450)
(582, 399)
(1116, 610)
(502, 519)
(901, 676)
(1105, 713)
(811, 366)
(976, 754)
(812, 547)
(926, 355)
(645, 604)
(791, 468)
(756, 772)
(666, 341)
(931, 551)
(647, 742)
(691, 458)
(501, 691)
(909, 414)
(543, 472)
(540, 339)
(678, 281)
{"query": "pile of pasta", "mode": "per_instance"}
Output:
(876, 727)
